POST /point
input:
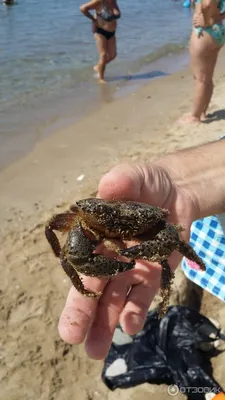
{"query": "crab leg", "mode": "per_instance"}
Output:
(101, 264)
(155, 251)
(152, 250)
(189, 253)
(167, 276)
(79, 251)
(59, 222)
(77, 257)
(76, 280)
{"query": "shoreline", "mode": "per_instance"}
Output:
(62, 168)
(73, 151)
(49, 116)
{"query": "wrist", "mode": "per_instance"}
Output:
(178, 174)
(200, 174)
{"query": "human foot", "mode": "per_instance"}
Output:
(189, 119)
(204, 116)
(95, 68)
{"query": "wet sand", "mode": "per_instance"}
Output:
(66, 166)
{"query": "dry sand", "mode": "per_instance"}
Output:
(35, 363)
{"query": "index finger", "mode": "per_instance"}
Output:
(79, 311)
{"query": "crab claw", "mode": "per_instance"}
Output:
(79, 247)
(101, 266)
(132, 252)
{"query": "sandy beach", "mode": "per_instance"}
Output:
(65, 167)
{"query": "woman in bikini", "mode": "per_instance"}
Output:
(104, 26)
(207, 38)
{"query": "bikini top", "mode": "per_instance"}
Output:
(107, 15)
(220, 3)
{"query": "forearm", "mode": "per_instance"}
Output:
(200, 171)
(87, 14)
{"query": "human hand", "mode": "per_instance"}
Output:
(93, 321)
(198, 20)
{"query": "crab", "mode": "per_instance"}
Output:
(93, 221)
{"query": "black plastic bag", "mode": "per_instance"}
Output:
(165, 351)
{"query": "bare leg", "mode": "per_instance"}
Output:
(101, 44)
(203, 52)
(111, 52)
(204, 86)
(111, 49)
(208, 97)
(209, 93)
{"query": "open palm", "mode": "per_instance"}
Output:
(127, 297)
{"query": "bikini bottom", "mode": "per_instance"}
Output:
(216, 31)
(107, 34)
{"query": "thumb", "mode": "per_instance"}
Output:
(138, 182)
(123, 181)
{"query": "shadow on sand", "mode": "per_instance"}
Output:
(135, 77)
(215, 116)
